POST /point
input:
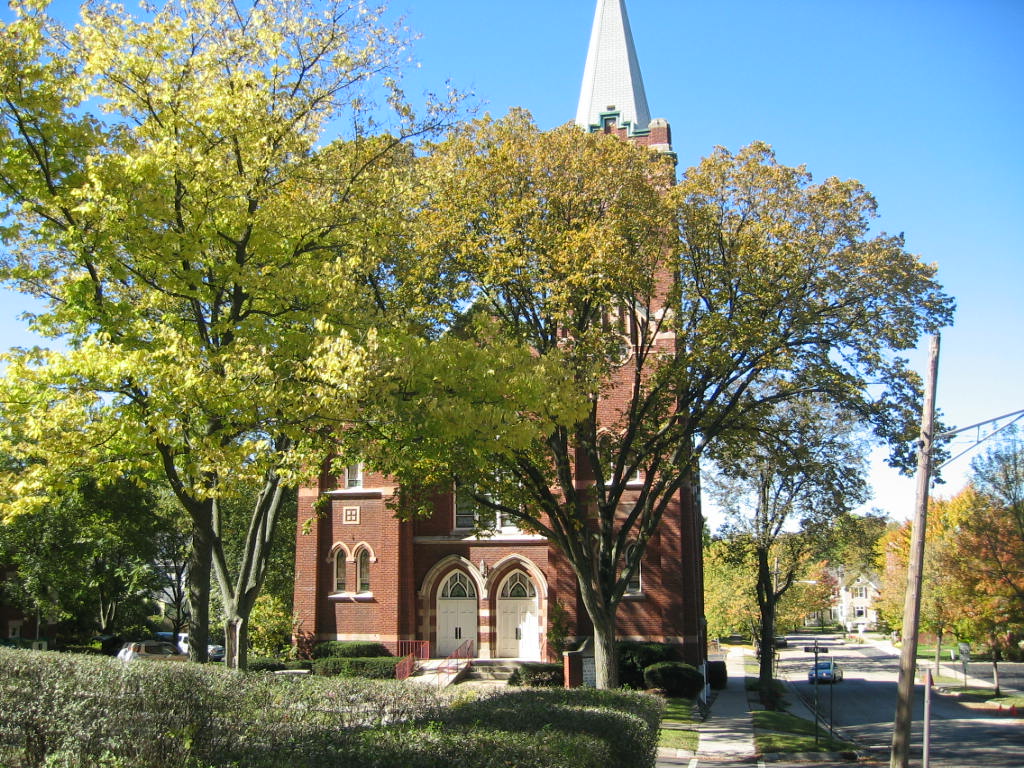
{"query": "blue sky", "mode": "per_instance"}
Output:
(921, 101)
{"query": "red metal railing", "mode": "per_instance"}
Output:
(457, 661)
(418, 648)
(405, 667)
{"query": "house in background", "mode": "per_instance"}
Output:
(855, 603)
(361, 574)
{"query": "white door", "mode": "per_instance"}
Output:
(518, 624)
(456, 614)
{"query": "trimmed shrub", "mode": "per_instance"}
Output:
(90, 650)
(675, 678)
(635, 657)
(376, 667)
(718, 675)
(68, 711)
(306, 664)
(626, 722)
(538, 674)
(352, 649)
(431, 746)
(262, 664)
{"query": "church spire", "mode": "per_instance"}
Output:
(612, 83)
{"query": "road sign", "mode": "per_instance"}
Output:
(815, 649)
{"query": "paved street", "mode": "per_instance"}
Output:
(863, 705)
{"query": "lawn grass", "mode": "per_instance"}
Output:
(1008, 701)
(678, 712)
(780, 732)
(672, 738)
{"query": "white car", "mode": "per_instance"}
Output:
(150, 649)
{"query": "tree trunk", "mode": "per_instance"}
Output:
(938, 651)
(766, 601)
(236, 641)
(606, 661)
(199, 564)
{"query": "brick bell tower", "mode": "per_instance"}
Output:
(613, 100)
(360, 574)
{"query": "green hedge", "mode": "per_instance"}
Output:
(73, 711)
(264, 664)
(626, 722)
(675, 678)
(635, 657)
(538, 674)
(352, 649)
(377, 668)
(718, 675)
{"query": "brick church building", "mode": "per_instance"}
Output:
(361, 574)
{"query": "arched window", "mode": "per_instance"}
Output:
(458, 585)
(633, 586)
(518, 585)
(339, 570)
(363, 570)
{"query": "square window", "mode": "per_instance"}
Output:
(350, 515)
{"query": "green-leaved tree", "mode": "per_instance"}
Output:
(205, 251)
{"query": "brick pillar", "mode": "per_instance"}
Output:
(307, 561)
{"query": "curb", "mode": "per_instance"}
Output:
(811, 757)
(769, 757)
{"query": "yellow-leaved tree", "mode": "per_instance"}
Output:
(208, 198)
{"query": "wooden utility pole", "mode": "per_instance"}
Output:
(900, 755)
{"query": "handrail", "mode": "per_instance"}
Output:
(405, 667)
(451, 665)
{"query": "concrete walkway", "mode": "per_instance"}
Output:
(728, 731)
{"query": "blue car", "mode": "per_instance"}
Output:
(825, 672)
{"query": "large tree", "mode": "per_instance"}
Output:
(86, 558)
(650, 319)
(781, 488)
(984, 551)
(204, 251)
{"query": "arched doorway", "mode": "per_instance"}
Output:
(518, 622)
(456, 613)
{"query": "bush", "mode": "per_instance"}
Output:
(635, 657)
(376, 667)
(538, 674)
(90, 650)
(263, 664)
(305, 664)
(626, 722)
(349, 649)
(270, 627)
(70, 711)
(718, 675)
(675, 678)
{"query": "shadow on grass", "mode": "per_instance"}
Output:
(781, 732)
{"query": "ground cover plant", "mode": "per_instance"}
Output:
(73, 711)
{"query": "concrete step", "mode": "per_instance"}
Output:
(492, 669)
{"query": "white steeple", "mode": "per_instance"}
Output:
(611, 80)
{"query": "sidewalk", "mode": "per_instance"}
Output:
(728, 731)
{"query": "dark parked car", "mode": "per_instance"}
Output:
(825, 672)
